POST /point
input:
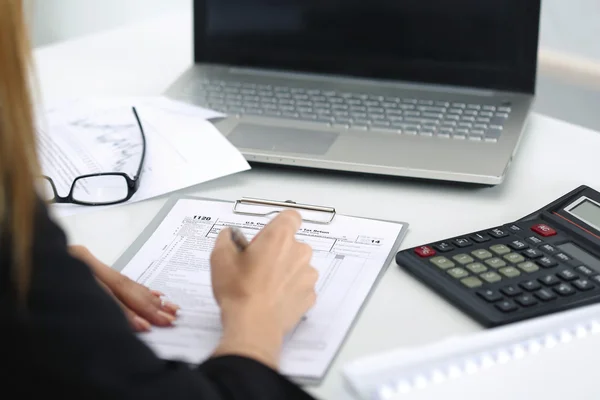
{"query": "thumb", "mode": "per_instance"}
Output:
(224, 249)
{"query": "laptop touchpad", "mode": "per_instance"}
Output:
(280, 139)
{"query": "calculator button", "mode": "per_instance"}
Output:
(442, 262)
(489, 295)
(583, 284)
(585, 270)
(511, 290)
(567, 275)
(533, 253)
(546, 262)
(463, 259)
(545, 295)
(509, 272)
(548, 248)
(526, 300)
(425, 251)
(534, 240)
(443, 247)
(498, 233)
(480, 238)
(543, 230)
(514, 258)
(500, 249)
(495, 262)
(549, 280)
(528, 267)
(458, 273)
(462, 242)
(471, 282)
(482, 254)
(490, 277)
(518, 245)
(514, 228)
(530, 285)
(564, 289)
(476, 268)
(506, 306)
(562, 257)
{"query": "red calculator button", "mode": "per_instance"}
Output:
(425, 251)
(543, 230)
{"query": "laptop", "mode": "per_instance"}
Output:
(430, 89)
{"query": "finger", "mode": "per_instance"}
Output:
(224, 250)
(139, 324)
(290, 220)
(280, 230)
(301, 255)
(166, 305)
(142, 302)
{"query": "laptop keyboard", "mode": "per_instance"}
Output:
(359, 111)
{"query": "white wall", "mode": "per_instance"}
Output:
(58, 20)
(571, 26)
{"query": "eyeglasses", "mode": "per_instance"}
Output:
(98, 189)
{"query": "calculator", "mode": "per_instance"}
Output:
(546, 262)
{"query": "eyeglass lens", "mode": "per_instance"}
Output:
(100, 189)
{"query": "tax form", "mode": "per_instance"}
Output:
(173, 253)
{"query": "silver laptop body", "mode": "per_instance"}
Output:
(437, 121)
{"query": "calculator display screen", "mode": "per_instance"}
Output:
(587, 211)
(581, 255)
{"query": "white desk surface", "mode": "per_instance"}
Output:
(554, 158)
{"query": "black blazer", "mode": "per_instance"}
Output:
(74, 341)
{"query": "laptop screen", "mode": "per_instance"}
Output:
(477, 43)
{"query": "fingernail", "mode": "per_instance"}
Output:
(170, 317)
(157, 293)
(171, 306)
(141, 323)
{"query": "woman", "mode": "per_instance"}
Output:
(69, 321)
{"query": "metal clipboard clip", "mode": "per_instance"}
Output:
(284, 204)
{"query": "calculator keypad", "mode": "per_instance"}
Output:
(512, 268)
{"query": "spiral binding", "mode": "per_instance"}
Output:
(484, 360)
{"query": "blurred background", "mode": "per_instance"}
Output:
(568, 85)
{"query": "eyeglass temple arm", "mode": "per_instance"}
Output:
(137, 118)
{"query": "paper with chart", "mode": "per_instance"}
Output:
(350, 253)
(95, 135)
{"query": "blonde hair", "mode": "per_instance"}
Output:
(18, 161)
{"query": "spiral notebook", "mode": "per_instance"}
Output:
(553, 357)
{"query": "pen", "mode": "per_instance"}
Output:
(237, 236)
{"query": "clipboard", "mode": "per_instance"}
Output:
(283, 204)
(264, 208)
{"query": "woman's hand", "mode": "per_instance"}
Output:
(263, 291)
(142, 306)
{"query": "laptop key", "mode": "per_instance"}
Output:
(343, 120)
(493, 133)
(432, 109)
(412, 113)
(381, 123)
(432, 115)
